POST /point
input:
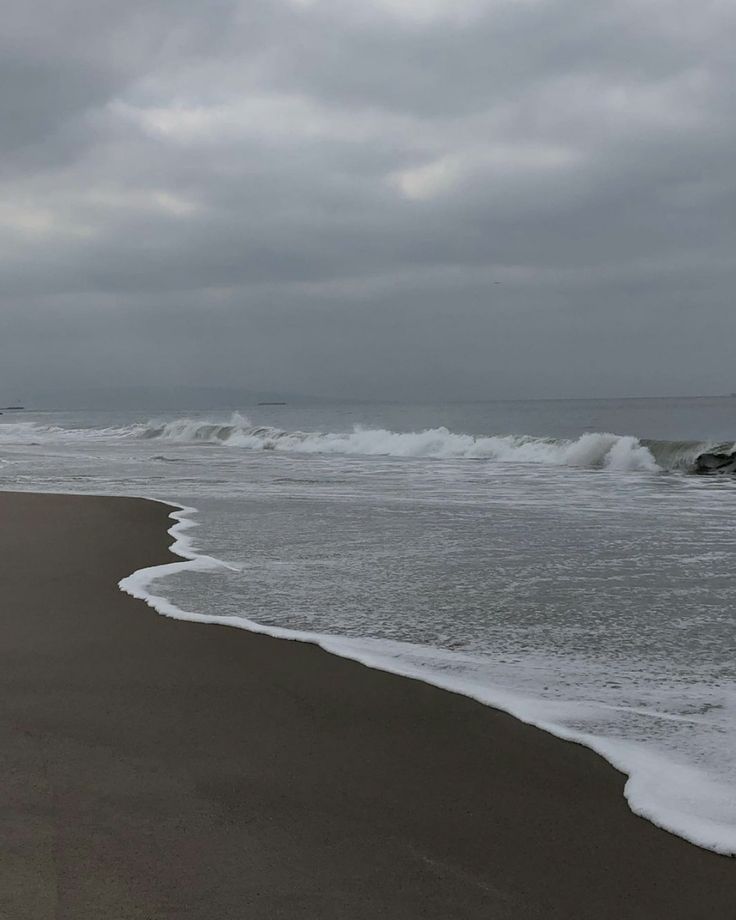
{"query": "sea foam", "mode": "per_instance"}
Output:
(676, 797)
(592, 450)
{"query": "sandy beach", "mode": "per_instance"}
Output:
(158, 769)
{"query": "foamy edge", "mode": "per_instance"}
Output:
(642, 769)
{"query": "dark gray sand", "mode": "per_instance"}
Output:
(157, 769)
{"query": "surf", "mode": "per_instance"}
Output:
(592, 450)
(595, 450)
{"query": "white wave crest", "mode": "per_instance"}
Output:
(591, 451)
(33, 432)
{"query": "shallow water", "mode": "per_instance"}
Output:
(576, 582)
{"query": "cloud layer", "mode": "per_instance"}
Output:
(386, 198)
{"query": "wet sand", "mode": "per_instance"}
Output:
(156, 769)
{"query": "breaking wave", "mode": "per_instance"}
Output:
(593, 450)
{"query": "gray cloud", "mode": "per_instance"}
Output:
(324, 195)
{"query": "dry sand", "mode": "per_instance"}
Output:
(152, 769)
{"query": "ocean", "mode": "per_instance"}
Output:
(559, 559)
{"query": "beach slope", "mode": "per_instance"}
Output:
(155, 769)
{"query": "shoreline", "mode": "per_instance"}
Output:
(158, 768)
(639, 772)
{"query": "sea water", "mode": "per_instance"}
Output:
(557, 559)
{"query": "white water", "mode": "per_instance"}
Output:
(591, 450)
(564, 579)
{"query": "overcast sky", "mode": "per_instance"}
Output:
(380, 198)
